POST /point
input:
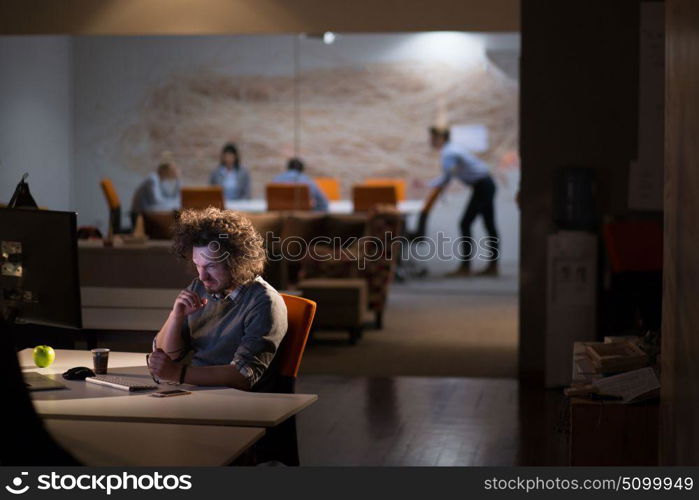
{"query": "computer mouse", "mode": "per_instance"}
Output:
(78, 373)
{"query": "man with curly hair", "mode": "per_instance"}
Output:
(226, 326)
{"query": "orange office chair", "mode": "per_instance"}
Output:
(114, 205)
(366, 198)
(280, 442)
(388, 181)
(300, 313)
(199, 197)
(288, 196)
(330, 187)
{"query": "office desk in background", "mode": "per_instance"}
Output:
(119, 308)
(259, 205)
(149, 265)
(130, 309)
(334, 207)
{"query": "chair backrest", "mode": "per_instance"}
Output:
(300, 313)
(159, 225)
(114, 205)
(202, 197)
(288, 196)
(366, 198)
(634, 245)
(330, 186)
(110, 194)
(388, 181)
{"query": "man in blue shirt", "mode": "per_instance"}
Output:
(294, 174)
(457, 161)
(160, 191)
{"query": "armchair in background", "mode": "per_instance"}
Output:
(372, 258)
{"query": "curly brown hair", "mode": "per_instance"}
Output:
(234, 233)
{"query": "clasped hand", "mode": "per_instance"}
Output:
(160, 365)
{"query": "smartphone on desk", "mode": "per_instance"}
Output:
(170, 393)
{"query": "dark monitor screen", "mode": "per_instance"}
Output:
(39, 266)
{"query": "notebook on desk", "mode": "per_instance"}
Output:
(38, 382)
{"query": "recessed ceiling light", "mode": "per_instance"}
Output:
(328, 37)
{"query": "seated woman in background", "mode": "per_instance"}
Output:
(159, 192)
(231, 176)
(294, 174)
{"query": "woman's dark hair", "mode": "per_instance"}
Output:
(443, 133)
(295, 164)
(228, 234)
(231, 148)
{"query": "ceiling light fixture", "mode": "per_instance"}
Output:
(328, 37)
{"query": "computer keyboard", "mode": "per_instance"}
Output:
(122, 383)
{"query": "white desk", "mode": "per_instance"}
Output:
(205, 406)
(128, 444)
(334, 207)
(68, 358)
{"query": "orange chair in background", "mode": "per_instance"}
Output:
(288, 196)
(202, 197)
(388, 181)
(365, 197)
(114, 205)
(330, 187)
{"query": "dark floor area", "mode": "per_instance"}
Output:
(420, 421)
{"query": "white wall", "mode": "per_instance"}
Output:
(36, 128)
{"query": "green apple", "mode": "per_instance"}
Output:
(44, 356)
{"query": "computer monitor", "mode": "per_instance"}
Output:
(39, 267)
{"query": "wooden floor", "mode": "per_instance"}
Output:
(424, 421)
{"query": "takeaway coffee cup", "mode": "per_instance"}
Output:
(100, 359)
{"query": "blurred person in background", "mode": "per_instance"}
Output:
(294, 174)
(457, 161)
(231, 175)
(159, 192)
